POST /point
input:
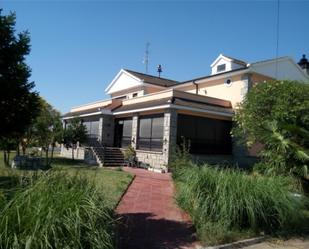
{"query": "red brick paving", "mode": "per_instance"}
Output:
(151, 218)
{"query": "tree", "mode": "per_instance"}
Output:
(74, 133)
(46, 131)
(19, 104)
(276, 114)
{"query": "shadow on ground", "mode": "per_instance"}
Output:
(143, 230)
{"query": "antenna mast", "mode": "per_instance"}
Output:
(146, 57)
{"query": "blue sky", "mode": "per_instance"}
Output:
(79, 46)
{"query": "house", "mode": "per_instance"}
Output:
(154, 114)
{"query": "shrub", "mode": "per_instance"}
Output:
(276, 114)
(227, 203)
(56, 211)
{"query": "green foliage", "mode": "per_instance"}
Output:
(75, 132)
(130, 154)
(47, 129)
(19, 103)
(276, 114)
(56, 210)
(181, 157)
(227, 204)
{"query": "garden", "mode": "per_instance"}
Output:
(228, 203)
(70, 205)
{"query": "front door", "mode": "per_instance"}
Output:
(123, 133)
(118, 133)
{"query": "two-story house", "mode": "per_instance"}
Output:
(154, 114)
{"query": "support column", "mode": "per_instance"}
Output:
(134, 131)
(100, 138)
(107, 130)
(169, 134)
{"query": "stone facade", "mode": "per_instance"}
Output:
(135, 129)
(79, 153)
(151, 158)
(107, 130)
(169, 134)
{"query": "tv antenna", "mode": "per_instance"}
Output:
(146, 57)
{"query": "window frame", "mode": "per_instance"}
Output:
(150, 142)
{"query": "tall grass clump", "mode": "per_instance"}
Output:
(57, 211)
(227, 204)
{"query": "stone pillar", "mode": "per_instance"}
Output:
(134, 131)
(169, 134)
(107, 130)
(100, 138)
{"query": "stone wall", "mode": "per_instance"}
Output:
(169, 134)
(151, 158)
(79, 153)
(107, 130)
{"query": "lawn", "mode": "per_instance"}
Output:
(110, 182)
(69, 206)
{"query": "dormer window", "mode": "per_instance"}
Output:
(134, 95)
(221, 68)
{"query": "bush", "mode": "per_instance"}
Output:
(227, 204)
(56, 211)
(276, 115)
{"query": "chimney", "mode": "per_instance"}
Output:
(304, 64)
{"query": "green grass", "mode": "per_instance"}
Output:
(112, 183)
(57, 210)
(228, 205)
(68, 206)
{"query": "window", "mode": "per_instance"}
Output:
(151, 133)
(134, 95)
(206, 136)
(92, 128)
(221, 68)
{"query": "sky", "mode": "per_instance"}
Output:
(78, 47)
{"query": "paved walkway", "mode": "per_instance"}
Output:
(152, 220)
(298, 243)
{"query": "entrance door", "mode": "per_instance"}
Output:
(118, 133)
(123, 133)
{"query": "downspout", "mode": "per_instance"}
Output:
(196, 87)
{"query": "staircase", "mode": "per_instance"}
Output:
(113, 157)
(106, 156)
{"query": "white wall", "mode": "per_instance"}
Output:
(124, 81)
(287, 70)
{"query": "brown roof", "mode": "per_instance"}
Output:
(237, 60)
(173, 100)
(147, 104)
(72, 114)
(153, 79)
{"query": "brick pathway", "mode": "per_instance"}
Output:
(151, 218)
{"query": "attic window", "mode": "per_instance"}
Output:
(221, 68)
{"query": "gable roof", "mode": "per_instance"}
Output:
(229, 58)
(155, 80)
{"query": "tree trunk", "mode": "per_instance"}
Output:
(52, 153)
(46, 157)
(8, 158)
(18, 149)
(73, 152)
(4, 157)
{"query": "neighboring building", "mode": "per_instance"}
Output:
(153, 114)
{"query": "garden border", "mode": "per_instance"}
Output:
(239, 244)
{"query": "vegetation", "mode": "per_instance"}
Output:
(276, 115)
(229, 204)
(69, 213)
(130, 155)
(69, 206)
(19, 103)
(74, 133)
